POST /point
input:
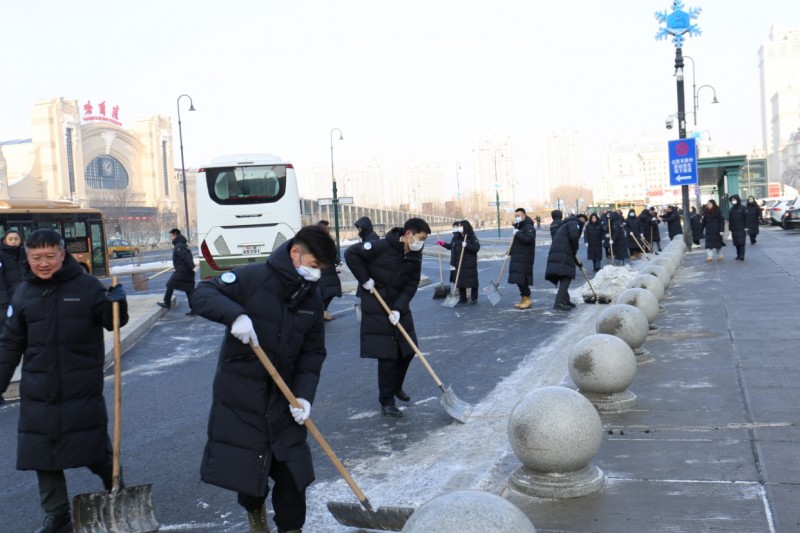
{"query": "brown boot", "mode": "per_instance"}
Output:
(526, 302)
(521, 301)
(257, 520)
(327, 316)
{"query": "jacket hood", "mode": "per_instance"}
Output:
(180, 239)
(295, 288)
(364, 223)
(736, 197)
(15, 251)
(614, 216)
(70, 269)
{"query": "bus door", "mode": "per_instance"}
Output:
(98, 240)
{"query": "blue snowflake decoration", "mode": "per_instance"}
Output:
(678, 23)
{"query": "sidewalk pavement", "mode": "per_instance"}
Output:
(713, 440)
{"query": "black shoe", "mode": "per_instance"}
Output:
(462, 301)
(162, 304)
(562, 307)
(473, 301)
(391, 410)
(572, 305)
(402, 396)
(56, 524)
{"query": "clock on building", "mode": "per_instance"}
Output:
(108, 168)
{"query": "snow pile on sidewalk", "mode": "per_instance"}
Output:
(608, 283)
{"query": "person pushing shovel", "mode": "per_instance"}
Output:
(392, 267)
(523, 250)
(253, 432)
(55, 324)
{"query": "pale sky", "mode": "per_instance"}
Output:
(403, 80)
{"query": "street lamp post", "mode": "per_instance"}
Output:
(678, 23)
(458, 184)
(335, 200)
(696, 91)
(183, 165)
(497, 190)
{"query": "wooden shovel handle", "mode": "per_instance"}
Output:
(460, 258)
(610, 238)
(290, 397)
(409, 341)
(505, 260)
(115, 476)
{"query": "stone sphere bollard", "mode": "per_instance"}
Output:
(667, 262)
(651, 283)
(629, 324)
(555, 432)
(644, 301)
(468, 511)
(603, 367)
(663, 275)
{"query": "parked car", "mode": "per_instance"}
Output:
(120, 248)
(774, 213)
(791, 218)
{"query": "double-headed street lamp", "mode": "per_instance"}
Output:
(183, 166)
(497, 190)
(335, 200)
(696, 91)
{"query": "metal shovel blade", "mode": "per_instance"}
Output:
(492, 292)
(381, 519)
(457, 408)
(128, 510)
(451, 300)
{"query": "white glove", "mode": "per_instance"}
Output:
(301, 414)
(369, 284)
(394, 317)
(611, 242)
(242, 329)
(515, 231)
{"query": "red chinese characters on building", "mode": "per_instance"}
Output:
(88, 115)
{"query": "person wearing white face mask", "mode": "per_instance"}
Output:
(392, 267)
(253, 432)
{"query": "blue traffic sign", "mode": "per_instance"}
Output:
(682, 162)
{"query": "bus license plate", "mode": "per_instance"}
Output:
(251, 250)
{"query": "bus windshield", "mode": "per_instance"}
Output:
(246, 185)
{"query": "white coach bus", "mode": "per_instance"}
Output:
(247, 206)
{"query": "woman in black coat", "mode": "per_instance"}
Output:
(753, 218)
(634, 231)
(593, 237)
(619, 239)
(673, 219)
(696, 224)
(468, 278)
(13, 267)
(455, 248)
(523, 252)
(713, 227)
(654, 233)
(737, 222)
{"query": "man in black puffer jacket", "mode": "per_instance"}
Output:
(253, 432)
(557, 219)
(523, 250)
(55, 327)
(737, 223)
(365, 231)
(673, 219)
(562, 258)
(183, 277)
(392, 267)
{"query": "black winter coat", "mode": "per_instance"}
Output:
(396, 275)
(554, 225)
(523, 253)
(330, 285)
(753, 218)
(697, 226)
(737, 222)
(653, 233)
(593, 237)
(634, 231)
(454, 246)
(619, 236)
(13, 267)
(713, 227)
(561, 257)
(250, 423)
(673, 220)
(468, 276)
(183, 277)
(56, 329)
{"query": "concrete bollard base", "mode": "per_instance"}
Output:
(527, 482)
(611, 403)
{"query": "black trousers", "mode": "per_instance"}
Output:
(524, 290)
(288, 503)
(391, 375)
(562, 295)
(169, 292)
(326, 302)
(752, 238)
(53, 496)
(740, 248)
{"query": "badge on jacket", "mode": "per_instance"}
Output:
(368, 246)
(228, 278)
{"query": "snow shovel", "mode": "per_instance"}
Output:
(592, 298)
(348, 514)
(492, 291)
(453, 297)
(140, 280)
(441, 291)
(120, 510)
(640, 246)
(650, 244)
(458, 409)
(610, 246)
